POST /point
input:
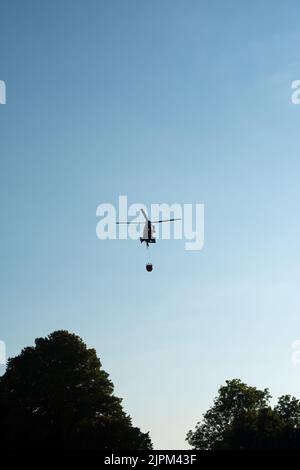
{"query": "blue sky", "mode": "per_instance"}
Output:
(163, 101)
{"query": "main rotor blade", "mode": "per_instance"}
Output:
(127, 223)
(144, 214)
(160, 221)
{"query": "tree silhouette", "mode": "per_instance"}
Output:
(56, 395)
(241, 418)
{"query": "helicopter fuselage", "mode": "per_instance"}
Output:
(148, 234)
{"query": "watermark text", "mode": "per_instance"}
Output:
(2, 353)
(168, 221)
(295, 98)
(2, 92)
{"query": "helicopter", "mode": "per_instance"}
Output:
(148, 232)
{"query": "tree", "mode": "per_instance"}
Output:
(56, 395)
(241, 418)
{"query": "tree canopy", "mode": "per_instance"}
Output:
(242, 418)
(56, 395)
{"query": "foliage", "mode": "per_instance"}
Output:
(242, 418)
(56, 395)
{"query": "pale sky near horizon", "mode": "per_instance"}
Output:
(163, 101)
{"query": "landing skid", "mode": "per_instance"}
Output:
(147, 240)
